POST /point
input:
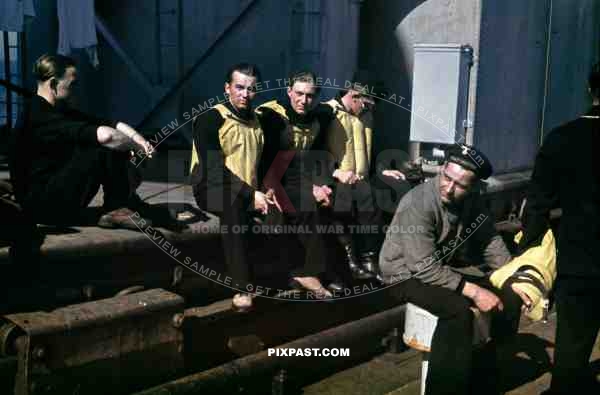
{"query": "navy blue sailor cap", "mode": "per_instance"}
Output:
(470, 158)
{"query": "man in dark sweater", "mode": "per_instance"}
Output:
(62, 156)
(567, 175)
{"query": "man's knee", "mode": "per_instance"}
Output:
(444, 303)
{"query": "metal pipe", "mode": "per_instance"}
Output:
(261, 363)
(16, 88)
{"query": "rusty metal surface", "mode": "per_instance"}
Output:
(96, 313)
(110, 346)
(414, 343)
(8, 334)
(228, 375)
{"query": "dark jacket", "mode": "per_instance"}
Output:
(567, 175)
(46, 141)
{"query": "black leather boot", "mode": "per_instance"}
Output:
(357, 270)
(368, 261)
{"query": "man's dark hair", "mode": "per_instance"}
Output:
(355, 87)
(594, 80)
(49, 66)
(248, 69)
(364, 79)
(304, 76)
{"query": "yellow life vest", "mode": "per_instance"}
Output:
(348, 142)
(539, 263)
(295, 136)
(242, 144)
(368, 121)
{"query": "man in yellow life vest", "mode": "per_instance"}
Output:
(294, 132)
(350, 140)
(227, 149)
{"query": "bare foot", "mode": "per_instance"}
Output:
(242, 302)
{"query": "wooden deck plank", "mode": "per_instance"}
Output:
(525, 371)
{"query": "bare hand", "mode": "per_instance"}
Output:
(345, 176)
(146, 146)
(137, 139)
(322, 194)
(395, 174)
(487, 301)
(261, 202)
(143, 146)
(484, 300)
(272, 199)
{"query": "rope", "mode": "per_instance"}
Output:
(164, 191)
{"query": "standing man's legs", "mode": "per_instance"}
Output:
(578, 322)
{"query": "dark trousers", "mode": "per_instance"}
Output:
(313, 244)
(71, 189)
(578, 322)
(354, 207)
(450, 361)
(237, 244)
(237, 241)
(236, 220)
